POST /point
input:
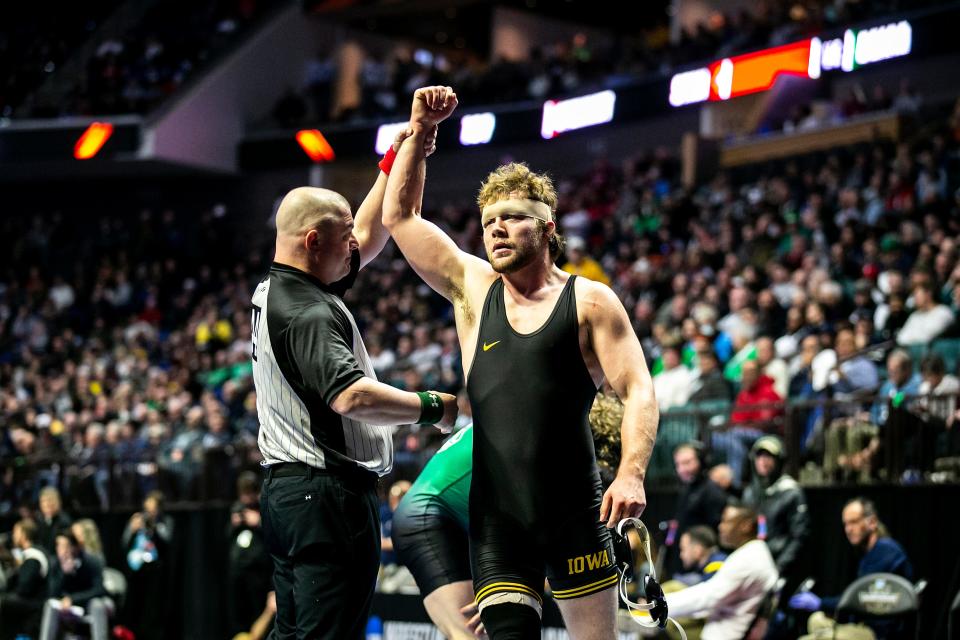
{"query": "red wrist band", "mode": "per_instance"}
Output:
(387, 162)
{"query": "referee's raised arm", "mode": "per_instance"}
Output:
(325, 421)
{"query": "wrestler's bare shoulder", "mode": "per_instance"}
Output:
(595, 299)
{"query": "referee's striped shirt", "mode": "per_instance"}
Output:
(306, 350)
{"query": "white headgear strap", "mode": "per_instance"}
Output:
(640, 613)
(517, 207)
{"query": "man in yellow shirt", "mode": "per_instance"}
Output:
(579, 263)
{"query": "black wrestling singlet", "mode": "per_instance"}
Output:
(531, 395)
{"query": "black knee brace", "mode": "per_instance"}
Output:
(509, 621)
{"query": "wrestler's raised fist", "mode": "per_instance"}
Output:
(431, 106)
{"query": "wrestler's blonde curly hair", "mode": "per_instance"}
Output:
(606, 416)
(516, 178)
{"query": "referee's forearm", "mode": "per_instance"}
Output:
(368, 400)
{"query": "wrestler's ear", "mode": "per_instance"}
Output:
(549, 230)
(311, 240)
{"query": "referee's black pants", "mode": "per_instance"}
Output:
(323, 533)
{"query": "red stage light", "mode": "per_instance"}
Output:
(315, 145)
(92, 140)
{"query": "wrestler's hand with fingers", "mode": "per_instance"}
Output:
(624, 498)
(429, 143)
(472, 613)
(431, 106)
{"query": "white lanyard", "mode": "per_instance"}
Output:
(657, 604)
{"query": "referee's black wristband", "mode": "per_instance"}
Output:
(431, 409)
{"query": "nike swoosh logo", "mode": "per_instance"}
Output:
(487, 347)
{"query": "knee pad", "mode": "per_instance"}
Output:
(511, 621)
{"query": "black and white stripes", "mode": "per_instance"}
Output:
(284, 418)
(295, 367)
(370, 445)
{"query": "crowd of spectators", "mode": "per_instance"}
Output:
(56, 574)
(134, 71)
(378, 85)
(125, 351)
(740, 559)
(807, 116)
(36, 38)
(130, 72)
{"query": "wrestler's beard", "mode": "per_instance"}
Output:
(524, 253)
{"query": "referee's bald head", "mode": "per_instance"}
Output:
(306, 208)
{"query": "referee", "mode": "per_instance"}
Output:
(325, 421)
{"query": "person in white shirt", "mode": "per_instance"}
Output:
(731, 598)
(773, 366)
(928, 319)
(674, 384)
(938, 391)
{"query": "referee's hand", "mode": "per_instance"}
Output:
(450, 411)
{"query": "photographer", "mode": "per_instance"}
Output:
(250, 566)
(147, 538)
(146, 529)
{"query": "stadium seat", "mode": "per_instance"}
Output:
(676, 426)
(917, 352)
(882, 595)
(714, 407)
(949, 350)
(768, 606)
(116, 585)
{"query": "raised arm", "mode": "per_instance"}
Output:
(367, 224)
(621, 358)
(432, 253)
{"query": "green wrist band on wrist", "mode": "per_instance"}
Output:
(431, 409)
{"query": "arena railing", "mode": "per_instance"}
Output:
(904, 439)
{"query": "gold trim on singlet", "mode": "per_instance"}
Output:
(586, 589)
(497, 587)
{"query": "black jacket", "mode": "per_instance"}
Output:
(47, 532)
(783, 504)
(700, 502)
(711, 388)
(83, 585)
(31, 579)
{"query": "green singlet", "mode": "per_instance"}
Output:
(444, 484)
